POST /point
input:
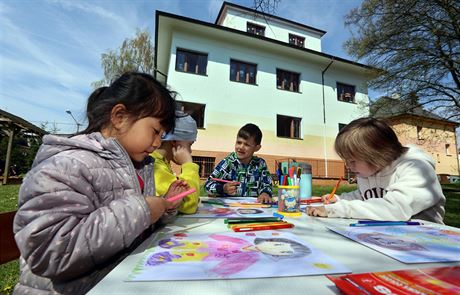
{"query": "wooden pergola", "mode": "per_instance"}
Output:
(12, 125)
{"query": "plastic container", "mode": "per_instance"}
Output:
(288, 199)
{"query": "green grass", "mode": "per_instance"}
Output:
(9, 272)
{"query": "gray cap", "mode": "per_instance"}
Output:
(185, 130)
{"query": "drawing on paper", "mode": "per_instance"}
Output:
(408, 244)
(232, 255)
(210, 211)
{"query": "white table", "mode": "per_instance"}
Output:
(353, 255)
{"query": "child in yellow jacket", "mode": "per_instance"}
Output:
(176, 147)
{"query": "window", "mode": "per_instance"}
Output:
(448, 150)
(287, 80)
(191, 62)
(341, 125)
(206, 165)
(196, 110)
(345, 92)
(243, 72)
(255, 29)
(419, 133)
(288, 126)
(296, 40)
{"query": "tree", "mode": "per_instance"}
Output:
(414, 46)
(134, 55)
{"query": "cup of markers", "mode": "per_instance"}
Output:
(288, 199)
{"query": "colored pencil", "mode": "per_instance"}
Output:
(181, 195)
(331, 195)
(256, 224)
(224, 180)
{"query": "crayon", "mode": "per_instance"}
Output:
(250, 220)
(181, 195)
(280, 216)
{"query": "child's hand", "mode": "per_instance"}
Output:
(157, 206)
(231, 187)
(181, 155)
(319, 211)
(176, 188)
(264, 198)
(326, 199)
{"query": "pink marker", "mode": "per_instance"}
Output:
(181, 195)
(223, 180)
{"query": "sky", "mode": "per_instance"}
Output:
(50, 50)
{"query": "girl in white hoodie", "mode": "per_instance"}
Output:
(394, 182)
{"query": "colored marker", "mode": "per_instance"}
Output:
(280, 216)
(215, 202)
(388, 223)
(224, 180)
(379, 221)
(181, 195)
(240, 229)
(311, 201)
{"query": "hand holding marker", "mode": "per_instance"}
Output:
(181, 195)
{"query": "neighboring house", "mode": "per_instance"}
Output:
(251, 67)
(414, 125)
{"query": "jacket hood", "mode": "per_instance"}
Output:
(94, 142)
(414, 153)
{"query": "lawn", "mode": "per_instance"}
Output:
(9, 272)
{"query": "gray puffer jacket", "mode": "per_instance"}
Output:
(80, 208)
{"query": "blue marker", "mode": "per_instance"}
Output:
(280, 216)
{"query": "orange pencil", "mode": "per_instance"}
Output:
(331, 195)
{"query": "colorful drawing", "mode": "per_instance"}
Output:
(211, 211)
(408, 244)
(231, 255)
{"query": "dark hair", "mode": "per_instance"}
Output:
(370, 140)
(250, 130)
(140, 93)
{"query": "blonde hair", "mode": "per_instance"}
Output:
(370, 140)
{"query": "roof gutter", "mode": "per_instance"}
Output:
(324, 117)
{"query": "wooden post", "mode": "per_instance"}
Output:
(10, 134)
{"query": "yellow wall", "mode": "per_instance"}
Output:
(432, 137)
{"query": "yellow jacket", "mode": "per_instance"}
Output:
(164, 176)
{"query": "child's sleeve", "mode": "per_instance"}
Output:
(60, 231)
(414, 189)
(190, 173)
(353, 195)
(265, 179)
(220, 171)
(163, 178)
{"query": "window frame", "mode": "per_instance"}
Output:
(196, 110)
(252, 28)
(342, 96)
(292, 128)
(247, 73)
(297, 39)
(206, 162)
(197, 54)
(279, 85)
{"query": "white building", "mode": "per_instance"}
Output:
(251, 67)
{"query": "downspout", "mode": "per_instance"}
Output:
(324, 117)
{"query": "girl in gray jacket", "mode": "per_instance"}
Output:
(88, 198)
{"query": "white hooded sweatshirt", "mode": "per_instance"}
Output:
(408, 188)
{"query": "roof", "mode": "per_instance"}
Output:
(292, 23)
(7, 120)
(387, 107)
